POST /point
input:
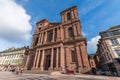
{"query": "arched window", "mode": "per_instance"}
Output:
(70, 29)
(36, 41)
(50, 36)
(68, 16)
(40, 25)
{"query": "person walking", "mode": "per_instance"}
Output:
(17, 70)
(21, 70)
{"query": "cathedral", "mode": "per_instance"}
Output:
(59, 46)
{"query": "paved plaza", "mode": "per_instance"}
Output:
(26, 76)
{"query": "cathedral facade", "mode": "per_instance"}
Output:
(59, 46)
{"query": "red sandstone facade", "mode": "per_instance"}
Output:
(59, 46)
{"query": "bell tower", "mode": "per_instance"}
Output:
(69, 15)
(74, 43)
(71, 23)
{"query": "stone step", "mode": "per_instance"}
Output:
(42, 72)
(37, 72)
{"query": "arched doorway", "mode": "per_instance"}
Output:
(47, 62)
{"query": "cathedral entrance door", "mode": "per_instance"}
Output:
(47, 62)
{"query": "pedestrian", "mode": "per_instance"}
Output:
(21, 70)
(17, 70)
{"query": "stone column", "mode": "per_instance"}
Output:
(57, 59)
(78, 26)
(66, 33)
(65, 17)
(68, 58)
(41, 38)
(62, 54)
(75, 31)
(38, 59)
(51, 64)
(80, 63)
(27, 62)
(58, 34)
(61, 33)
(62, 18)
(76, 13)
(42, 60)
(72, 13)
(53, 35)
(84, 54)
(45, 37)
(35, 61)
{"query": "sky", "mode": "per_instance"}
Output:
(18, 19)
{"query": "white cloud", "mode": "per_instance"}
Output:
(84, 34)
(92, 44)
(15, 24)
(6, 44)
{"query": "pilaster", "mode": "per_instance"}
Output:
(80, 63)
(62, 54)
(45, 37)
(72, 13)
(27, 62)
(66, 33)
(61, 33)
(75, 31)
(84, 55)
(78, 26)
(53, 35)
(38, 59)
(42, 60)
(51, 64)
(42, 37)
(57, 59)
(34, 61)
(58, 34)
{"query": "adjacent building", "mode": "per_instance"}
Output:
(97, 62)
(12, 57)
(59, 45)
(92, 61)
(109, 50)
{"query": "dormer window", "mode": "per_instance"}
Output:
(68, 16)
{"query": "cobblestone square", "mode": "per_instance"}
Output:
(26, 76)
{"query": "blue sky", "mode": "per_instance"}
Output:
(95, 16)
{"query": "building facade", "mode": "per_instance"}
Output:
(97, 62)
(91, 58)
(92, 61)
(109, 50)
(59, 46)
(12, 57)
